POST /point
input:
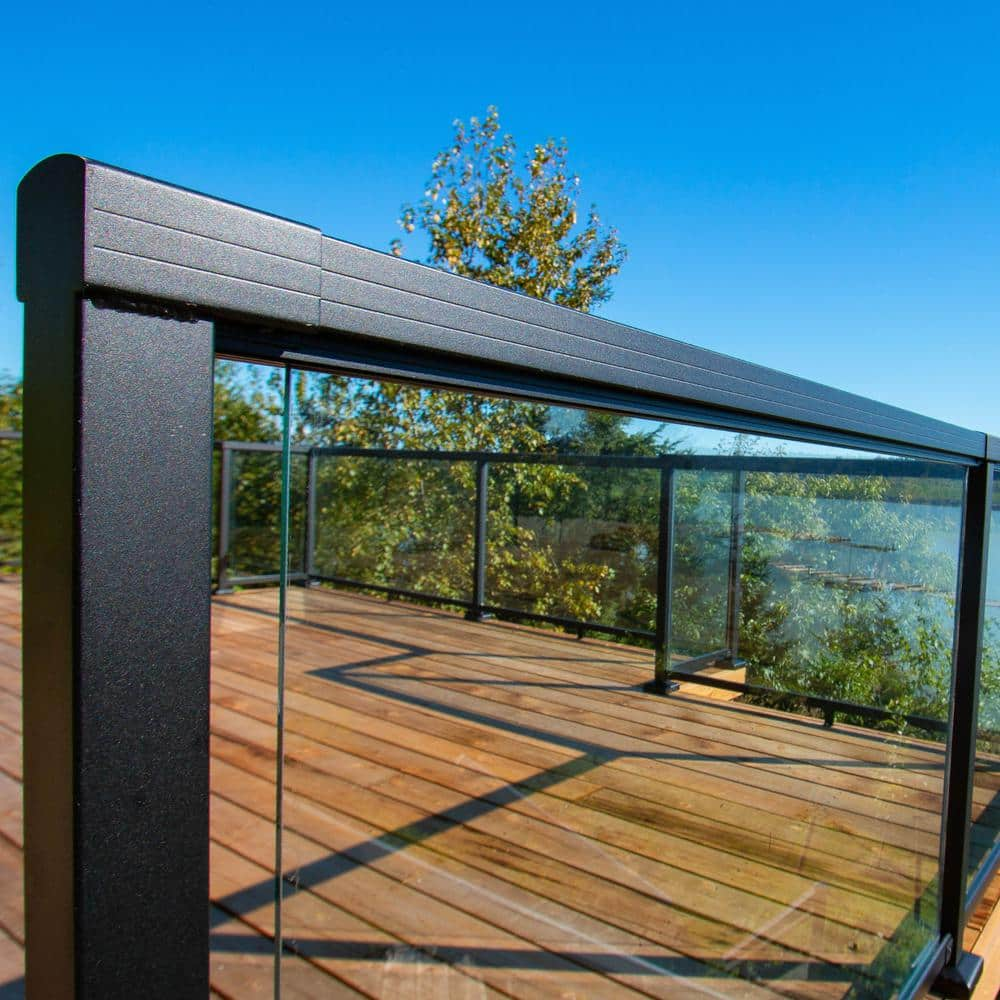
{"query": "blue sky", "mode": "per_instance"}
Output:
(813, 187)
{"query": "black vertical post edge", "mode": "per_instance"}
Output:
(223, 585)
(480, 528)
(309, 558)
(735, 587)
(661, 684)
(117, 566)
(962, 970)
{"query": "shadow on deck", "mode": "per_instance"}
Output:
(480, 809)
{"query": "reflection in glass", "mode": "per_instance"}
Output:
(254, 503)
(477, 806)
(245, 639)
(575, 542)
(849, 588)
(395, 522)
(701, 541)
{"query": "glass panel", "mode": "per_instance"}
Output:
(244, 687)
(254, 504)
(395, 522)
(701, 542)
(986, 793)
(849, 586)
(575, 542)
(493, 805)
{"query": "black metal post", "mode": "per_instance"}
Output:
(661, 684)
(735, 588)
(117, 586)
(309, 558)
(963, 969)
(223, 584)
(116, 595)
(477, 612)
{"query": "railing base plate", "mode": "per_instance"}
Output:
(660, 687)
(958, 981)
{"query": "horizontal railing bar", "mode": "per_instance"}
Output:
(355, 356)
(703, 660)
(811, 700)
(510, 458)
(10, 435)
(268, 446)
(721, 463)
(497, 610)
(568, 623)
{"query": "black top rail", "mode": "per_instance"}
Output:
(106, 233)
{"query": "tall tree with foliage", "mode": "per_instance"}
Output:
(494, 216)
(512, 221)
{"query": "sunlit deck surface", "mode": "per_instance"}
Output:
(484, 809)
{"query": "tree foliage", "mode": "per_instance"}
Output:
(514, 224)
(11, 410)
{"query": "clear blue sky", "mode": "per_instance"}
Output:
(813, 187)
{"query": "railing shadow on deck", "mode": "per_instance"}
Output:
(362, 675)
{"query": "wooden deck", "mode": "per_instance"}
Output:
(481, 809)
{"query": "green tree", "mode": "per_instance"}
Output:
(246, 407)
(11, 409)
(514, 226)
(409, 523)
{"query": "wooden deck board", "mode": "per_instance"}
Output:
(553, 805)
(484, 809)
(395, 695)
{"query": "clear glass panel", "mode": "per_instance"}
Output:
(701, 540)
(849, 588)
(575, 542)
(244, 689)
(254, 505)
(986, 792)
(394, 522)
(493, 805)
